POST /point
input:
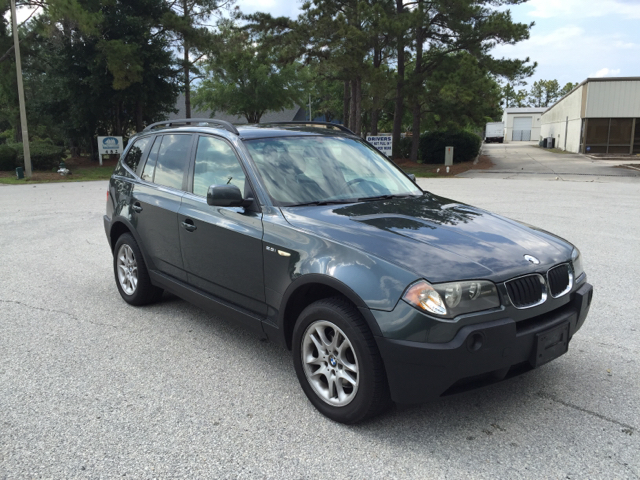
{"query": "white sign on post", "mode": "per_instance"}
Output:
(109, 145)
(383, 143)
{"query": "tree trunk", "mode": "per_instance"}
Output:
(352, 105)
(375, 114)
(187, 83)
(119, 120)
(139, 125)
(358, 107)
(375, 110)
(187, 80)
(416, 88)
(399, 108)
(346, 99)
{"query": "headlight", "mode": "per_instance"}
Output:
(576, 261)
(452, 299)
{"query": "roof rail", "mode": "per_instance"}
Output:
(184, 121)
(311, 124)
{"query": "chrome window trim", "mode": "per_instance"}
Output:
(543, 297)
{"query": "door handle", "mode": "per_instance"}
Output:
(189, 226)
(136, 207)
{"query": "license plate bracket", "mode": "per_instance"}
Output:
(550, 344)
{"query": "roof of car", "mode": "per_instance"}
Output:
(263, 130)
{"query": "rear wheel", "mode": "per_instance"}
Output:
(132, 277)
(337, 362)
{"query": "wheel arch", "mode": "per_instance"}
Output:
(313, 287)
(119, 227)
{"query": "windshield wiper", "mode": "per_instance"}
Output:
(383, 197)
(321, 202)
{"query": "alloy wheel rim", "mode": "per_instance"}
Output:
(127, 268)
(330, 363)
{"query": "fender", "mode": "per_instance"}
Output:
(331, 282)
(119, 219)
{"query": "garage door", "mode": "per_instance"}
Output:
(521, 129)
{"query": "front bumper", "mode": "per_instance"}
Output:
(478, 354)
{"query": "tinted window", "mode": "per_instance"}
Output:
(150, 166)
(216, 164)
(135, 153)
(172, 160)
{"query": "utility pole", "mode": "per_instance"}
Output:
(310, 117)
(23, 111)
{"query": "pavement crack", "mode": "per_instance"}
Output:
(51, 310)
(628, 429)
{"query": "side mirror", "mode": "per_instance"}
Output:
(226, 196)
(412, 177)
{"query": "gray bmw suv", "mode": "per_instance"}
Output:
(308, 235)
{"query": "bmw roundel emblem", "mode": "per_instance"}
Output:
(332, 361)
(532, 259)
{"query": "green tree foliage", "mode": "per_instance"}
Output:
(8, 158)
(188, 22)
(459, 94)
(448, 26)
(512, 97)
(242, 78)
(544, 93)
(96, 66)
(353, 41)
(105, 70)
(567, 89)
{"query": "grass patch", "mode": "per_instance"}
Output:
(83, 169)
(80, 174)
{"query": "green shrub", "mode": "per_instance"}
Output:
(466, 146)
(403, 148)
(8, 158)
(44, 155)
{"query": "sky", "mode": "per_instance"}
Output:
(571, 40)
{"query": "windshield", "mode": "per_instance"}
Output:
(318, 169)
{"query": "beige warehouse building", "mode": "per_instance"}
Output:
(601, 115)
(522, 124)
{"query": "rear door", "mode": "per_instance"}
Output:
(156, 201)
(221, 246)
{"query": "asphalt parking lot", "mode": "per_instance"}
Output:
(91, 387)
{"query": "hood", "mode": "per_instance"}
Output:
(434, 237)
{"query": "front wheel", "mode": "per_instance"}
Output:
(338, 363)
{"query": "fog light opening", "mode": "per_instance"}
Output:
(474, 342)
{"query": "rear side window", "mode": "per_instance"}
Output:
(150, 166)
(172, 160)
(134, 155)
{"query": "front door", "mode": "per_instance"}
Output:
(221, 246)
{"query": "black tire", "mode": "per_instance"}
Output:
(371, 396)
(144, 292)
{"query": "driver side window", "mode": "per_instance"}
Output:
(216, 164)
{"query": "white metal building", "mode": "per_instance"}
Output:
(601, 115)
(521, 124)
